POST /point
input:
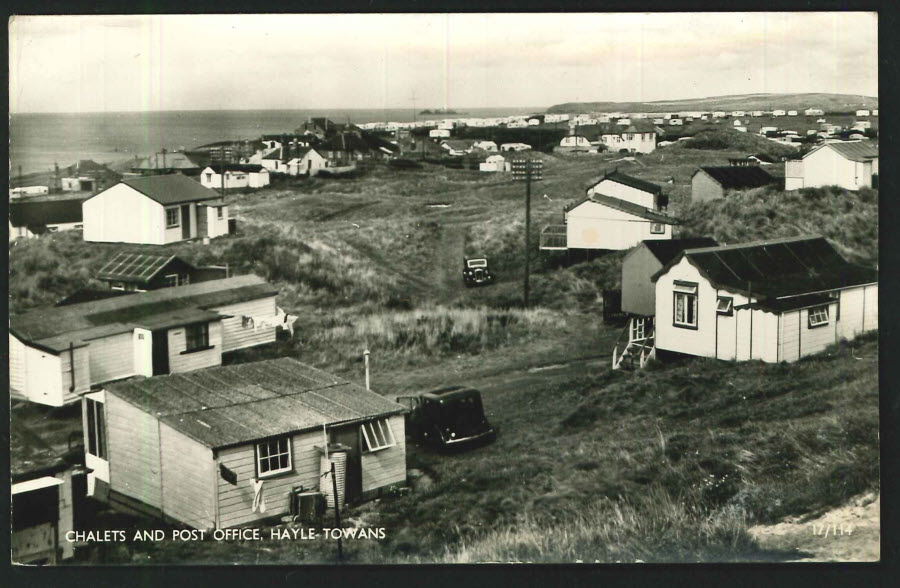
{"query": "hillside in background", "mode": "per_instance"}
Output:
(826, 102)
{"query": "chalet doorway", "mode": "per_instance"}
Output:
(160, 352)
(349, 437)
(185, 221)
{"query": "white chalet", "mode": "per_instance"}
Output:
(154, 210)
(307, 162)
(849, 164)
(485, 145)
(769, 300)
(235, 176)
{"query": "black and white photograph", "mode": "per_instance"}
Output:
(444, 288)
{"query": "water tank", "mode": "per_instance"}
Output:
(326, 486)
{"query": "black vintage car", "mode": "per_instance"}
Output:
(476, 272)
(447, 418)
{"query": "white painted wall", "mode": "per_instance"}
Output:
(701, 341)
(121, 214)
(595, 226)
(143, 352)
(43, 377)
(826, 167)
(215, 226)
(612, 188)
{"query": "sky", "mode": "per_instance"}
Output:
(210, 62)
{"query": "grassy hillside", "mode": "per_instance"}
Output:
(826, 102)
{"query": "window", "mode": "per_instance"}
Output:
(196, 337)
(724, 305)
(273, 457)
(818, 316)
(657, 228)
(377, 435)
(96, 430)
(685, 305)
(220, 212)
(172, 217)
(209, 177)
(637, 329)
(171, 280)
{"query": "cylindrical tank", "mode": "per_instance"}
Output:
(326, 486)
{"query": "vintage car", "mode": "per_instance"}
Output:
(476, 272)
(447, 418)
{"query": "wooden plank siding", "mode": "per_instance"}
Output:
(112, 357)
(817, 339)
(790, 336)
(235, 335)
(236, 502)
(185, 362)
(16, 364)
(870, 315)
(83, 374)
(133, 452)
(388, 466)
(187, 468)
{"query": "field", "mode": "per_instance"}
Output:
(673, 463)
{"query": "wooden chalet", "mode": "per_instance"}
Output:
(229, 446)
(713, 182)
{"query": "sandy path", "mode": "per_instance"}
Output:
(849, 533)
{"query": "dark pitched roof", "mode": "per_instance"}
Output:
(54, 328)
(459, 144)
(626, 207)
(665, 250)
(241, 167)
(789, 304)
(136, 267)
(238, 404)
(31, 213)
(738, 177)
(170, 189)
(776, 269)
(853, 150)
(624, 179)
(89, 295)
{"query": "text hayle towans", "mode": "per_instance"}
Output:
(243, 534)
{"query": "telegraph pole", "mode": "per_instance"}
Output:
(527, 170)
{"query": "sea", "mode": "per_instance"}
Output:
(38, 141)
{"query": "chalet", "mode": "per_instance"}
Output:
(610, 223)
(792, 113)
(88, 175)
(515, 147)
(575, 144)
(762, 159)
(813, 112)
(35, 216)
(231, 176)
(22, 191)
(769, 300)
(863, 113)
(154, 210)
(458, 147)
(495, 163)
(712, 183)
(228, 446)
(630, 189)
(849, 164)
(167, 163)
(274, 161)
(58, 353)
(344, 149)
(639, 137)
(140, 272)
(485, 146)
(306, 162)
(439, 133)
(778, 113)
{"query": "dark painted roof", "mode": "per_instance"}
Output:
(238, 404)
(626, 180)
(55, 327)
(170, 189)
(789, 304)
(853, 150)
(25, 213)
(665, 250)
(776, 269)
(626, 207)
(242, 167)
(31, 456)
(174, 160)
(136, 267)
(738, 177)
(89, 295)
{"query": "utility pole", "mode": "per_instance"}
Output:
(527, 170)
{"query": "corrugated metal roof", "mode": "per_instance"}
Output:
(232, 405)
(776, 269)
(628, 208)
(56, 327)
(170, 189)
(665, 250)
(853, 150)
(738, 177)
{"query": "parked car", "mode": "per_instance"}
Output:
(447, 418)
(476, 272)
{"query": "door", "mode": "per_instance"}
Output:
(185, 221)
(95, 448)
(160, 352)
(350, 437)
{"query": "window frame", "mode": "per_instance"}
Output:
(167, 279)
(259, 457)
(177, 212)
(729, 310)
(818, 311)
(661, 231)
(638, 326)
(690, 292)
(387, 440)
(191, 339)
(96, 434)
(220, 212)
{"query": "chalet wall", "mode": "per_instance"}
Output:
(236, 502)
(790, 336)
(175, 234)
(701, 341)
(112, 357)
(235, 335)
(594, 226)
(83, 374)
(815, 340)
(121, 214)
(133, 452)
(188, 483)
(871, 312)
(612, 188)
(195, 360)
(704, 188)
(16, 364)
(386, 467)
(826, 167)
(852, 306)
(638, 292)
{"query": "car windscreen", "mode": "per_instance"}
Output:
(477, 262)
